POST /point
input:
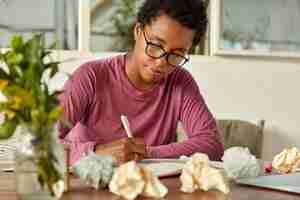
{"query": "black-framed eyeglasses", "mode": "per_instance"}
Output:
(156, 51)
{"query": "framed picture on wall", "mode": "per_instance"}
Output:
(255, 28)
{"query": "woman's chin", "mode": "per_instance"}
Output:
(150, 77)
(150, 81)
(155, 78)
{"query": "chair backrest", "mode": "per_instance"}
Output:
(242, 133)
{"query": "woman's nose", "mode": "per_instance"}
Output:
(161, 63)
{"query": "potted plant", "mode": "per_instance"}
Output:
(30, 104)
(123, 21)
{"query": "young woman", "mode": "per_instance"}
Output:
(149, 86)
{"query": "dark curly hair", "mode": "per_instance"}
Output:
(189, 13)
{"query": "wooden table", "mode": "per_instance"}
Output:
(79, 191)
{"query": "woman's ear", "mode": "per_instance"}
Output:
(137, 30)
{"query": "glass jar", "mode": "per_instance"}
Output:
(27, 184)
(27, 157)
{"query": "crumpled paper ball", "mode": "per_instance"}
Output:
(238, 162)
(287, 161)
(131, 179)
(197, 174)
(95, 170)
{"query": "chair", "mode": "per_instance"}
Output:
(236, 133)
(242, 133)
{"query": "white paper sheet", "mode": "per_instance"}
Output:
(170, 167)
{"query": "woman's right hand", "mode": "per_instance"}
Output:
(123, 150)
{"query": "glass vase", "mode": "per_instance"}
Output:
(27, 156)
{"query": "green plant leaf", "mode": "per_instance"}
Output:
(15, 90)
(54, 70)
(41, 180)
(55, 114)
(34, 49)
(7, 129)
(53, 66)
(4, 75)
(17, 42)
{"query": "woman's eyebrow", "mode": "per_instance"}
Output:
(153, 37)
(183, 50)
(163, 42)
(160, 40)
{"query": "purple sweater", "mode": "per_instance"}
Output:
(99, 92)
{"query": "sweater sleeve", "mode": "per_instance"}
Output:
(200, 126)
(76, 98)
(79, 141)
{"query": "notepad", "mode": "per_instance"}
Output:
(169, 167)
(164, 169)
(284, 182)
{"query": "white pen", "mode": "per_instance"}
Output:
(125, 123)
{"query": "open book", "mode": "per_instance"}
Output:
(169, 167)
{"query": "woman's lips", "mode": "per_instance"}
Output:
(156, 74)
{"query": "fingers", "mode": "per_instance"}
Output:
(139, 157)
(124, 150)
(138, 140)
(136, 157)
(139, 148)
